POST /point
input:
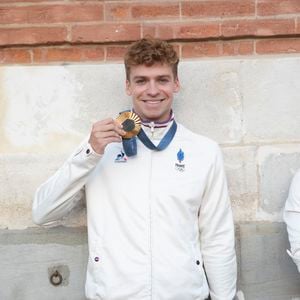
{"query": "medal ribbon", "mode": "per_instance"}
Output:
(165, 141)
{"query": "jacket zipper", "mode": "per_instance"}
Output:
(150, 227)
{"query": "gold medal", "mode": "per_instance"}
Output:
(131, 123)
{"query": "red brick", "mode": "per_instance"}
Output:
(277, 7)
(149, 30)
(200, 49)
(68, 54)
(187, 30)
(117, 11)
(197, 30)
(50, 14)
(115, 52)
(15, 56)
(276, 46)
(298, 26)
(106, 33)
(94, 53)
(22, 1)
(155, 11)
(238, 48)
(165, 32)
(258, 27)
(17, 1)
(32, 35)
(183, 30)
(221, 8)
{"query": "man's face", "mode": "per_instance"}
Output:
(152, 89)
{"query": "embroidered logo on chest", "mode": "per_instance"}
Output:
(121, 157)
(179, 166)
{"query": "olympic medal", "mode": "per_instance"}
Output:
(131, 123)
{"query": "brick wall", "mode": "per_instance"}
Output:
(40, 31)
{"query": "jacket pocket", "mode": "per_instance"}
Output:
(198, 265)
(95, 263)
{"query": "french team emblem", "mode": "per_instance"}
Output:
(180, 158)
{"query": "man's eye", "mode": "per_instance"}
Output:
(163, 80)
(140, 81)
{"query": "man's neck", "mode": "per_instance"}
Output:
(158, 124)
(156, 130)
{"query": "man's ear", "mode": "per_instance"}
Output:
(128, 88)
(177, 85)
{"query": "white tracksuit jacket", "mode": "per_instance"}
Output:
(153, 220)
(292, 219)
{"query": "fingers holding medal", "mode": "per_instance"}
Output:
(105, 132)
(126, 125)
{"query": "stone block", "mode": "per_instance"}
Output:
(277, 165)
(20, 176)
(241, 171)
(60, 112)
(210, 100)
(266, 270)
(29, 258)
(271, 99)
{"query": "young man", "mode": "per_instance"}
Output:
(292, 219)
(160, 225)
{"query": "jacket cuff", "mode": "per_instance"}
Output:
(87, 154)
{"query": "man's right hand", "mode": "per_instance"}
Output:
(105, 132)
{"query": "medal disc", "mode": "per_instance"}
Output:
(131, 123)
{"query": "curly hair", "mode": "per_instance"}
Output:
(149, 51)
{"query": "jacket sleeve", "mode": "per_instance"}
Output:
(55, 198)
(292, 219)
(217, 234)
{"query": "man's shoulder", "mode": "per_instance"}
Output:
(196, 138)
(293, 199)
(297, 176)
(295, 185)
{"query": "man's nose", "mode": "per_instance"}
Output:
(152, 88)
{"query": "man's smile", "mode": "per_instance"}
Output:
(153, 101)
